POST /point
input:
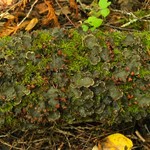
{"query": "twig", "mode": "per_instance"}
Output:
(68, 141)
(10, 8)
(10, 146)
(27, 13)
(1, 136)
(122, 12)
(147, 129)
(128, 23)
(120, 28)
(140, 136)
(135, 20)
(63, 132)
(65, 14)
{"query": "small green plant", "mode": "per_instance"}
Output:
(99, 9)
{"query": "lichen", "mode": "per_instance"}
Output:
(72, 77)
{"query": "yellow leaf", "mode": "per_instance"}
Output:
(6, 2)
(31, 24)
(23, 25)
(95, 148)
(9, 16)
(117, 141)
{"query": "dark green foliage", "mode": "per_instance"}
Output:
(69, 77)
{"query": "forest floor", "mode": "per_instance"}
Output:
(29, 15)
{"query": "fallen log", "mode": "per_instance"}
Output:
(67, 76)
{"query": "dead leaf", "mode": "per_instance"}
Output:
(42, 8)
(8, 31)
(24, 24)
(2, 24)
(31, 24)
(95, 148)
(51, 16)
(5, 2)
(24, 2)
(9, 16)
(47, 7)
(65, 10)
(73, 5)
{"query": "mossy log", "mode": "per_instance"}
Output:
(68, 76)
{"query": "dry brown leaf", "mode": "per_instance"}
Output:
(73, 5)
(65, 10)
(8, 31)
(42, 7)
(24, 2)
(2, 24)
(51, 15)
(5, 2)
(95, 148)
(9, 16)
(31, 24)
(47, 7)
(24, 24)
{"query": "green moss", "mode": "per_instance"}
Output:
(5, 40)
(75, 52)
(134, 109)
(40, 39)
(141, 13)
(68, 48)
(145, 39)
(10, 121)
(144, 72)
(31, 99)
(6, 107)
(33, 72)
(43, 63)
(79, 64)
(10, 52)
(29, 73)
